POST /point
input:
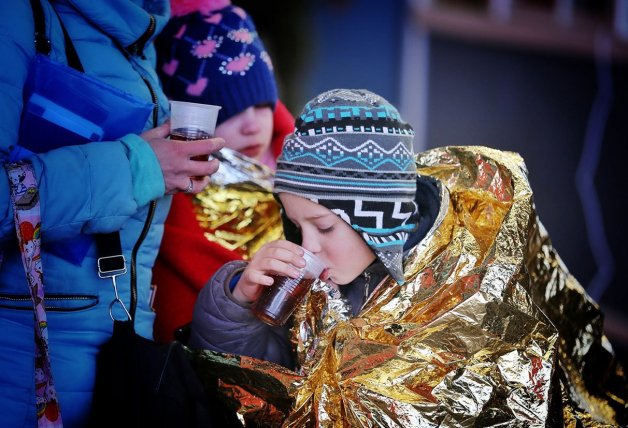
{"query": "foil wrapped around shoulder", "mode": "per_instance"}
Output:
(489, 330)
(237, 209)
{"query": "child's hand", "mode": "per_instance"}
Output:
(276, 258)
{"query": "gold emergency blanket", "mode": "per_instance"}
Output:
(237, 209)
(490, 329)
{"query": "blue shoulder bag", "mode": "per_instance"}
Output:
(64, 106)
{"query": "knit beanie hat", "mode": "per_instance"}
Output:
(216, 58)
(183, 7)
(352, 153)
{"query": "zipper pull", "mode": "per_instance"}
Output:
(367, 285)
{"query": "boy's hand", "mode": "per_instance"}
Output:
(276, 258)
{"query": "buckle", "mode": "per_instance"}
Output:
(111, 266)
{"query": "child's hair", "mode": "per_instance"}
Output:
(352, 153)
(216, 58)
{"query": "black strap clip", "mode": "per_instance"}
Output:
(110, 266)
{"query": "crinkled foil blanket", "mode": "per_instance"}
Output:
(237, 210)
(490, 329)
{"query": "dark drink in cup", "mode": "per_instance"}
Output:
(192, 121)
(191, 134)
(278, 301)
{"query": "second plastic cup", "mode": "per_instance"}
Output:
(278, 302)
(192, 121)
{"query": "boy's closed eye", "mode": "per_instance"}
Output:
(326, 229)
(325, 224)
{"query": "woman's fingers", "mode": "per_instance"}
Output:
(161, 131)
(199, 169)
(201, 164)
(202, 147)
(177, 163)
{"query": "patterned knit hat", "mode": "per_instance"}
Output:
(216, 58)
(352, 153)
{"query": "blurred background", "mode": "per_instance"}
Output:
(546, 79)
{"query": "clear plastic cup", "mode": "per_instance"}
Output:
(278, 301)
(192, 121)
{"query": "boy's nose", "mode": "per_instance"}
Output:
(309, 242)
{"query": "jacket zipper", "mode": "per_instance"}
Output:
(136, 248)
(367, 285)
(137, 47)
(48, 298)
(153, 204)
(132, 50)
(153, 96)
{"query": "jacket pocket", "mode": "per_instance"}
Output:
(53, 302)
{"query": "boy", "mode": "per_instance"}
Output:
(442, 302)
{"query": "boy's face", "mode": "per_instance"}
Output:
(248, 132)
(341, 249)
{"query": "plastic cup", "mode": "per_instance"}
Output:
(278, 301)
(192, 121)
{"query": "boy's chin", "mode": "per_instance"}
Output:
(329, 279)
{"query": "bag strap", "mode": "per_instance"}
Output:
(43, 45)
(111, 261)
(42, 42)
(112, 264)
(26, 210)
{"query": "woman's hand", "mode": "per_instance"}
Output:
(180, 172)
(276, 258)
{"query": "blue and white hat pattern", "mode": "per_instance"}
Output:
(352, 153)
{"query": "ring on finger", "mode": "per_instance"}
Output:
(190, 187)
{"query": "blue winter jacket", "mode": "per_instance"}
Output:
(92, 188)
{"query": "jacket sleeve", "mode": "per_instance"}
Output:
(83, 189)
(90, 188)
(221, 324)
